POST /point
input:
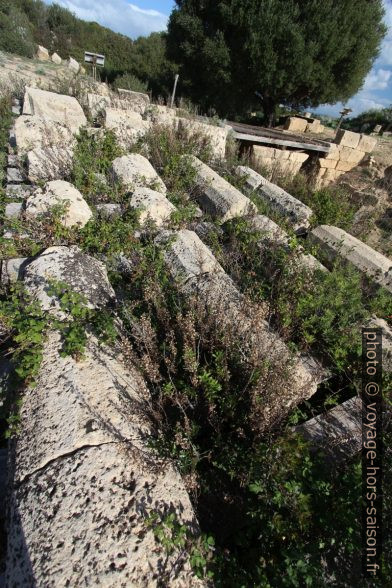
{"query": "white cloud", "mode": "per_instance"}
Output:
(119, 15)
(378, 79)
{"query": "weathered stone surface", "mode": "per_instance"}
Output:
(345, 166)
(296, 125)
(55, 107)
(135, 171)
(32, 132)
(109, 210)
(197, 272)
(49, 163)
(42, 53)
(338, 432)
(13, 209)
(298, 213)
(367, 144)
(73, 65)
(347, 139)
(14, 175)
(152, 205)
(83, 478)
(137, 101)
(271, 233)
(162, 115)
(187, 256)
(216, 196)
(56, 58)
(97, 103)
(12, 269)
(127, 125)
(327, 163)
(217, 135)
(351, 155)
(61, 193)
(253, 179)
(18, 190)
(12, 160)
(334, 152)
(334, 242)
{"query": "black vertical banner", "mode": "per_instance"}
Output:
(371, 452)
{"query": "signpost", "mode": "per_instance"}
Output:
(95, 59)
(343, 113)
(174, 91)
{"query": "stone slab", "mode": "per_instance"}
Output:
(367, 144)
(152, 205)
(13, 209)
(14, 175)
(58, 192)
(347, 138)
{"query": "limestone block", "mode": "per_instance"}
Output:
(338, 432)
(109, 210)
(42, 53)
(55, 107)
(297, 156)
(85, 275)
(49, 163)
(334, 152)
(296, 125)
(327, 163)
(136, 101)
(351, 155)
(152, 205)
(84, 477)
(135, 171)
(198, 273)
(367, 144)
(18, 191)
(13, 210)
(334, 242)
(217, 135)
(73, 65)
(12, 269)
(345, 166)
(216, 196)
(162, 115)
(347, 139)
(297, 213)
(34, 131)
(128, 126)
(261, 152)
(96, 103)
(61, 193)
(56, 58)
(14, 175)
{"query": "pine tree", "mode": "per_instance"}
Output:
(232, 53)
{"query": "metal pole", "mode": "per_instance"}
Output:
(174, 91)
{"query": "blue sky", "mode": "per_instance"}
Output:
(141, 17)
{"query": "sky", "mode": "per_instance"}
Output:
(141, 17)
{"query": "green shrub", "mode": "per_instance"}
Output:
(128, 81)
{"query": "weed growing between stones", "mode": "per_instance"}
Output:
(24, 326)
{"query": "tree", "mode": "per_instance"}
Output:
(234, 53)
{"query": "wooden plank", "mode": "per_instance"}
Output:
(282, 142)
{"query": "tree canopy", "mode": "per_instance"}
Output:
(235, 53)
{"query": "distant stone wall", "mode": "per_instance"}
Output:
(348, 150)
(280, 160)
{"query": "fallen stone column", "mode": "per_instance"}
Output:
(83, 478)
(54, 107)
(278, 199)
(334, 242)
(271, 233)
(337, 432)
(290, 379)
(216, 196)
